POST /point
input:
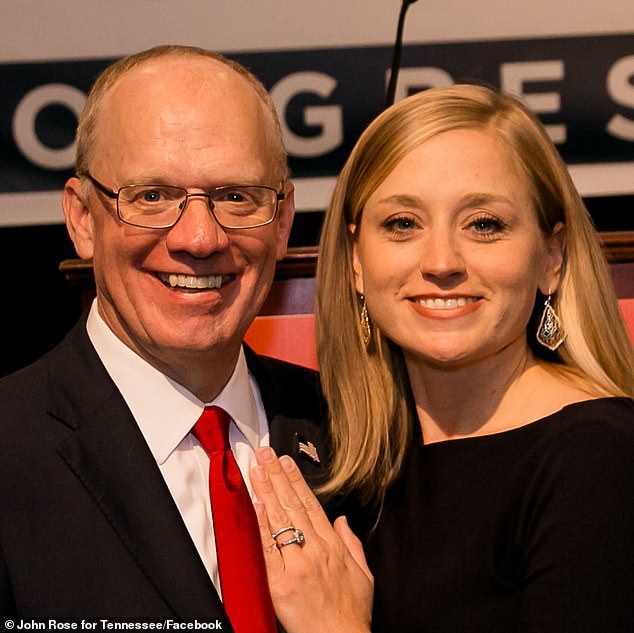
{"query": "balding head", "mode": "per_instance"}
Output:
(152, 61)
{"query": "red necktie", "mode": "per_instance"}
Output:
(245, 591)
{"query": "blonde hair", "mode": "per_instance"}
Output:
(367, 389)
(86, 128)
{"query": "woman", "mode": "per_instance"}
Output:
(479, 379)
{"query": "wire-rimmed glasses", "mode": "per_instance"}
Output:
(154, 206)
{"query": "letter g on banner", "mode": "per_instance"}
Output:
(25, 116)
(327, 117)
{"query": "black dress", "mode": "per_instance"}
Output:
(529, 530)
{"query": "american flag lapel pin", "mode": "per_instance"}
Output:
(307, 448)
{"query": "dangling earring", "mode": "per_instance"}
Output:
(366, 332)
(550, 332)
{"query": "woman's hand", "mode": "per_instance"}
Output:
(322, 585)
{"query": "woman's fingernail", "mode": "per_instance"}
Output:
(260, 473)
(287, 463)
(267, 454)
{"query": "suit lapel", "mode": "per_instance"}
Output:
(304, 442)
(295, 430)
(106, 451)
(108, 454)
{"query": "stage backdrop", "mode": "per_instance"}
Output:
(326, 64)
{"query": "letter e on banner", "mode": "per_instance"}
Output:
(514, 75)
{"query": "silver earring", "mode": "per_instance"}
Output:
(550, 332)
(364, 321)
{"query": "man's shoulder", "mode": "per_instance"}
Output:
(288, 388)
(275, 366)
(32, 374)
(282, 373)
(28, 386)
(291, 371)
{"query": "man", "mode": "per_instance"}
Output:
(183, 202)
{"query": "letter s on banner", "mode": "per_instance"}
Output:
(327, 117)
(24, 124)
(621, 90)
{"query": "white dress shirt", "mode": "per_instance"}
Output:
(166, 412)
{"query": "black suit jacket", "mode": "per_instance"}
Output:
(88, 527)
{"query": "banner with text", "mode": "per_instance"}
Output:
(582, 88)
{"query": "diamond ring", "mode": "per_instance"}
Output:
(297, 538)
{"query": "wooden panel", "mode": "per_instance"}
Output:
(618, 245)
(619, 250)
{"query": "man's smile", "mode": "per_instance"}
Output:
(193, 282)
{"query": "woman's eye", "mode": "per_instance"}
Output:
(486, 225)
(401, 224)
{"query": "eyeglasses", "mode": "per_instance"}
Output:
(161, 206)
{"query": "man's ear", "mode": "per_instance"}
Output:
(555, 249)
(78, 218)
(286, 213)
(356, 264)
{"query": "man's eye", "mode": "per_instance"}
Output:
(235, 196)
(152, 195)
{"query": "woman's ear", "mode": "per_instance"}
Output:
(356, 263)
(79, 223)
(555, 249)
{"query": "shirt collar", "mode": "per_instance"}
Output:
(164, 410)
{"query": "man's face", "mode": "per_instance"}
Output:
(196, 124)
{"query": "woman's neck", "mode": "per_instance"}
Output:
(500, 393)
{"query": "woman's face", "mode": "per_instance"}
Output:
(449, 254)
